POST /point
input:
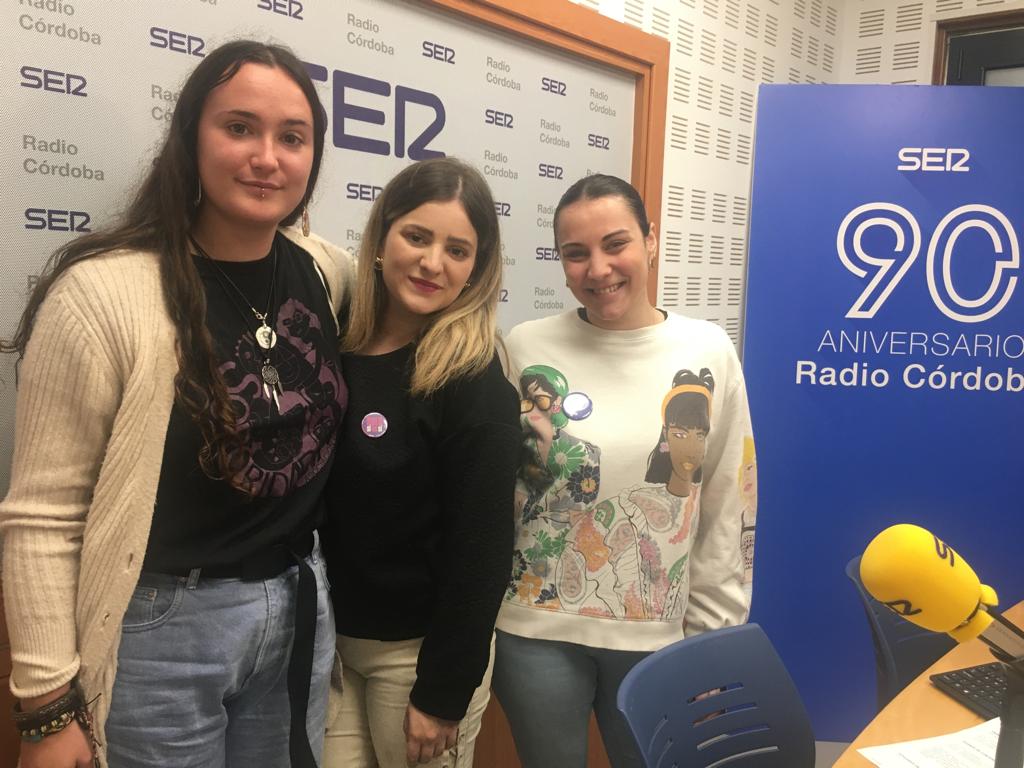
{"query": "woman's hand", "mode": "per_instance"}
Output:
(67, 749)
(427, 737)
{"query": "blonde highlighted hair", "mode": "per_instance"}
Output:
(459, 340)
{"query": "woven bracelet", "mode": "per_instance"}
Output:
(50, 718)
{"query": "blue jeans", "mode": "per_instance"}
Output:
(202, 672)
(548, 690)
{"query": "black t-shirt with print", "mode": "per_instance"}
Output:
(199, 522)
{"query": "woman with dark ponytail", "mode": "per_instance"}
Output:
(179, 391)
(625, 549)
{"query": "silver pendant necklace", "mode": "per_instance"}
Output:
(266, 338)
(265, 335)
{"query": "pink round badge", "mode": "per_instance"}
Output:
(374, 424)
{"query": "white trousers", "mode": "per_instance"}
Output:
(368, 704)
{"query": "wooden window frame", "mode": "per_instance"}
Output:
(987, 22)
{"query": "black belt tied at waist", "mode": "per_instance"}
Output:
(267, 565)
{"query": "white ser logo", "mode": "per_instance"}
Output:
(888, 269)
(933, 159)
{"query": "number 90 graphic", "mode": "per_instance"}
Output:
(888, 269)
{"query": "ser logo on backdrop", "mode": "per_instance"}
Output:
(356, 191)
(53, 80)
(500, 119)
(438, 52)
(975, 227)
(178, 42)
(546, 253)
(550, 85)
(290, 8)
(503, 209)
(345, 112)
(57, 220)
(598, 142)
(548, 171)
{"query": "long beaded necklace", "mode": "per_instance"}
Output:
(264, 334)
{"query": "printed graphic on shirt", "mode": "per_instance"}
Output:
(626, 557)
(748, 497)
(288, 448)
(678, 457)
(558, 481)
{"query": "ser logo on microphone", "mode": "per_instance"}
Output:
(903, 607)
(943, 550)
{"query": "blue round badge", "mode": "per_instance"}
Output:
(577, 406)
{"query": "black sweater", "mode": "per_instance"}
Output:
(419, 533)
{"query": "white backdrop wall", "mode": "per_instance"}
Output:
(89, 86)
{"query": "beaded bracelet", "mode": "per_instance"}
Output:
(50, 718)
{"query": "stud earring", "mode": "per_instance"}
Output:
(305, 221)
(378, 264)
(663, 447)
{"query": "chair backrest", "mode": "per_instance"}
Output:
(752, 718)
(902, 650)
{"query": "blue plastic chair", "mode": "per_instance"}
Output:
(752, 718)
(902, 650)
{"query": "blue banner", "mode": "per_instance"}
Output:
(883, 353)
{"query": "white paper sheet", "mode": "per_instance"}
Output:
(970, 748)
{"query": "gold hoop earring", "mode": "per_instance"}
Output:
(305, 221)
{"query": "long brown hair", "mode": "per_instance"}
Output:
(460, 339)
(159, 219)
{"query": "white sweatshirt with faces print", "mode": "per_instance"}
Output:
(637, 494)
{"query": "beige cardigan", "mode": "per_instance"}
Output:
(94, 399)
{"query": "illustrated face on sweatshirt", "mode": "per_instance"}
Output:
(538, 406)
(559, 472)
(686, 447)
(686, 416)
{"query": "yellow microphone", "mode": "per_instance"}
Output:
(928, 583)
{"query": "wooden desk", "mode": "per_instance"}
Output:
(921, 710)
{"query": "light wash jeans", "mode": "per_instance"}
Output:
(548, 689)
(202, 672)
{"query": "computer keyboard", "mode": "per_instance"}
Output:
(978, 688)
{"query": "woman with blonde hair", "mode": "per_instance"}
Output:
(420, 499)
